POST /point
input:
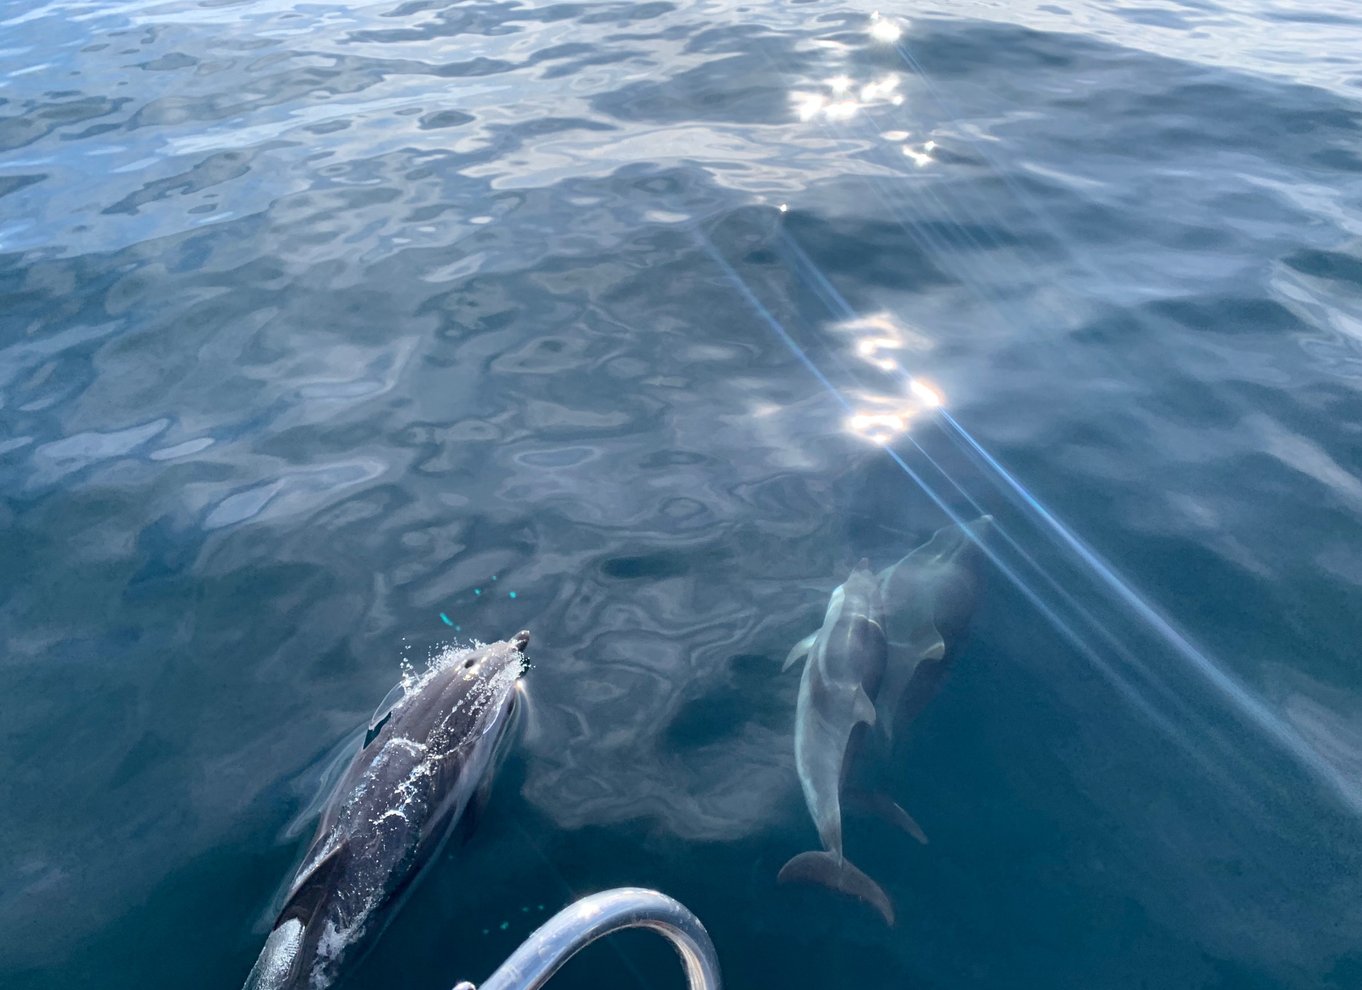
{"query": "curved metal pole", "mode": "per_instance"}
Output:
(580, 924)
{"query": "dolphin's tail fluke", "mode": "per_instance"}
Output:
(837, 872)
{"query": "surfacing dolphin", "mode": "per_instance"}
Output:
(426, 766)
(846, 660)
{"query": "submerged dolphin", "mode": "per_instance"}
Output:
(846, 660)
(425, 767)
(928, 598)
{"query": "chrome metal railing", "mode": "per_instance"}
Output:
(578, 925)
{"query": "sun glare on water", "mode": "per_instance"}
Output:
(884, 30)
(882, 416)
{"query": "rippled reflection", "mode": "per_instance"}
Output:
(882, 415)
(922, 157)
(882, 418)
(843, 97)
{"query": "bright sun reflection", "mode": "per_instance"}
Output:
(872, 350)
(879, 332)
(928, 394)
(843, 97)
(809, 105)
(883, 29)
(880, 417)
(919, 158)
(841, 110)
(839, 98)
(877, 427)
(883, 418)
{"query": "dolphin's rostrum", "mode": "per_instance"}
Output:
(426, 767)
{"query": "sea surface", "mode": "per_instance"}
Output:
(334, 333)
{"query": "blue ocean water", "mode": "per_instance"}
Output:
(332, 333)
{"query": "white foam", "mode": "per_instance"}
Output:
(334, 940)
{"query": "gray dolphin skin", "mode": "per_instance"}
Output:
(846, 662)
(426, 767)
(928, 598)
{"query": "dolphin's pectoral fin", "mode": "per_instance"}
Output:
(800, 649)
(888, 809)
(311, 891)
(863, 709)
(829, 870)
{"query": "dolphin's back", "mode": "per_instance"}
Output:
(854, 651)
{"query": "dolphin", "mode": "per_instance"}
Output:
(928, 598)
(426, 766)
(846, 661)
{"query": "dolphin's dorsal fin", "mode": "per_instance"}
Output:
(307, 897)
(800, 649)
